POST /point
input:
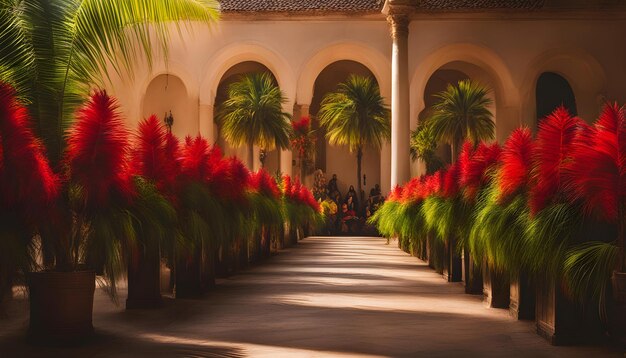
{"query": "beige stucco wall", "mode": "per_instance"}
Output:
(509, 52)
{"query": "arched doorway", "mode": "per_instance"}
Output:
(168, 94)
(338, 159)
(552, 91)
(272, 161)
(452, 73)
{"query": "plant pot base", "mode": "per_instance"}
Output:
(61, 307)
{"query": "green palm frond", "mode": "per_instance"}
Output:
(155, 220)
(548, 236)
(462, 112)
(497, 230)
(253, 113)
(356, 114)
(588, 268)
(54, 51)
(385, 219)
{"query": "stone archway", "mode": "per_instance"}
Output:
(232, 55)
(378, 65)
(584, 75)
(552, 91)
(338, 159)
(233, 74)
(167, 93)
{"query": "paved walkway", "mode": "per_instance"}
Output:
(326, 297)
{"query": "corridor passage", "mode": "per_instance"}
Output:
(329, 296)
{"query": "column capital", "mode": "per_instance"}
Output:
(399, 19)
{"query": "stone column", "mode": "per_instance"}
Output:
(205, 122)
(286, 155)
(400, 123)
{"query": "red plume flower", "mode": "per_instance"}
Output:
(516, 162)
(97, 152)
(229, 179)
(26, 179)
(552, 151)
(396, 193)
(597, 174)
(287, 187)
(195, 163)
(475, 172)
(432, 184)
(450, 185)
(264, 183)
(412, 190)
(301, 126)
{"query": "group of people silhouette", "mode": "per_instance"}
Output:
(344, 214)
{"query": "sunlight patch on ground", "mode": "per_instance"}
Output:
(392, 302)
(259, 350)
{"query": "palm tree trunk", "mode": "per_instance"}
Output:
(250, 156)
(359, 157)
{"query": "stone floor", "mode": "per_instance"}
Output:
(327, 297)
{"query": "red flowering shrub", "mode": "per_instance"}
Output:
(303, 140)
(475, 172)
(26, 179)
(516, 163)
(264, 183)
(97, 152)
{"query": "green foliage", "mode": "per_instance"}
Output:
(253, 113)
(462, 112)
(355, 115)
(386, 219)
(155, 221)
(547, 236)
(497, 230)
(54, 51)
(423, 146)
(587, 269)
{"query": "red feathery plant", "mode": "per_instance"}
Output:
(101, 188)
(28, 187)
(597, 179)
(97, 153)
(554, 219)
(300, 208)
(516, 161)
(477, 171)
(262, 182)
(553, 147)
(501, 212)
(302, 141)
(156, 155)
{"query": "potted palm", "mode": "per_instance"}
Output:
(91, 229)
(200, 216)
(554, 222)
(596, 178)
(462, 113)
(356, 116)
(501, 216)
(154, 215)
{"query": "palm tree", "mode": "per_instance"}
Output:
(253, 115)
(356, 116)
(462, 113)
(53, 51)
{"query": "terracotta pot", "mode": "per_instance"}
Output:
(61, 306)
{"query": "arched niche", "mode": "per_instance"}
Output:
(551, 92)
(337, 159)
(233, 74)
(167, 93)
